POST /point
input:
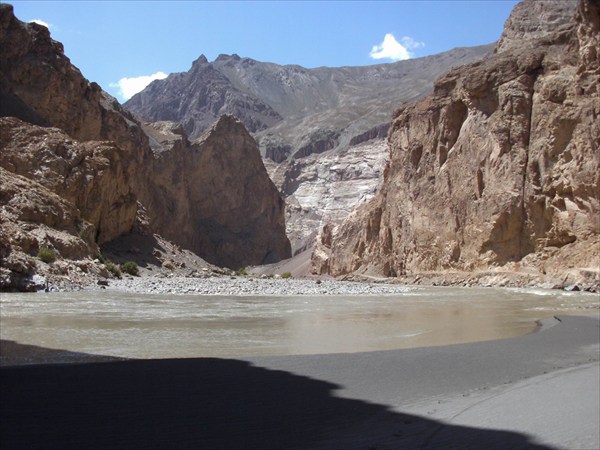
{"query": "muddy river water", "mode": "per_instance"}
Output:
(158, 326)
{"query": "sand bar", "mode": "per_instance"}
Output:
(535, 391)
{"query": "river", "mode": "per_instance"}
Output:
(157, 326)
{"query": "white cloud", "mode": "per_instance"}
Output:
(41, 22)
(128, 87)
(390, 48)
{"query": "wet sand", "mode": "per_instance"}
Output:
(15, 354)
(535, 391)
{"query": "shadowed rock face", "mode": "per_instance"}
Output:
(39, 84)
(215, 196)
(498, 167)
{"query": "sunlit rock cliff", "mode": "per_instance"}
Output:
(498, 168)
(78, 171)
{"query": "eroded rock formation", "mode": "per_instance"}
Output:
(79, 171)
(70, 162)
(499, 167)
(215, 195)
(92, 176)
(38, 84)
(325, 188)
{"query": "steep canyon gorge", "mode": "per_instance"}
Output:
(321, 131)
(489, 166)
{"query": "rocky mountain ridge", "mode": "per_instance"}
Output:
(497, 169)
(291, 110)
(78, 172)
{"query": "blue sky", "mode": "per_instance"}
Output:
(112, 41)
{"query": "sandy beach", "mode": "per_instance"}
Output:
(535, 391)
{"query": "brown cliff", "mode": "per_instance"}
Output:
(76, 166)
(497, 168)
(39, 84)
(58, 193)
(92, 176)
(215, 195)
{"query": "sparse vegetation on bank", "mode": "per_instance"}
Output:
(131, 268)
(47, 255)
(113, 268)
(103, 259)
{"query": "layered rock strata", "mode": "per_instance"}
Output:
(497, 168)
(325, 188)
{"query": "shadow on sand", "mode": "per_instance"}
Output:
(207, 403)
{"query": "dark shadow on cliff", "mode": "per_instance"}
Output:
(206, 403)
(135, 247)
(12, 106)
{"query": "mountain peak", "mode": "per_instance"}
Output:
(201, 60)
(226, 123)
(225, 57)
(265, 95)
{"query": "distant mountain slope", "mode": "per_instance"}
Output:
(290, 109)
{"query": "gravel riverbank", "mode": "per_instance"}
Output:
(224, 285)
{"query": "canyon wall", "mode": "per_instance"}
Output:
(499, 167)
(79, 171)
(215, 195)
